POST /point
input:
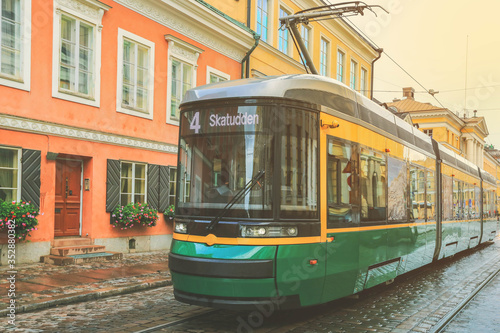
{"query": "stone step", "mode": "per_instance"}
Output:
(80, 258)
(92, 257)
(74, 250)
(73, 241)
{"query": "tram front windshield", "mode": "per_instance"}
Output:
(222, 150)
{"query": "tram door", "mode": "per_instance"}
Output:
(343, 213)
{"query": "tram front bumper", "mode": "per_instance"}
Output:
(227, 283)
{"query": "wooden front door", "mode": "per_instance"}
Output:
(68, 194)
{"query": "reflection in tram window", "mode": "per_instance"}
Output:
(373, 186)
(431, 196)
(341, 195)
(458, 209)
(299, 165)
(448, 207)
(468, 201)
(477, 199)
(417, 194)
(398, 197)
(217, 162)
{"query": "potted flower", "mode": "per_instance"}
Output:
(125, 217)
(22, 214)
(170, 212)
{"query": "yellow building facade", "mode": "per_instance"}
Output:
(464, 135)
(337, 50)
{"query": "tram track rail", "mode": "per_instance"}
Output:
(287, 320)
(446, 320)
(178, 321)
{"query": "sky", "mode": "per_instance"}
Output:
(445, 45)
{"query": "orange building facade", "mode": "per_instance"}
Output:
(89, 92)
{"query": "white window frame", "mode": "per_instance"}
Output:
(288, 51)
(184, 52)
(23, 81)
(216, 72)
(339, 50)
(355, 72)
(19, 170)
(268, 36)
(309, 41)
(328, 55)
(363, 84)
(148, 114)
(133, 181)
(91, 12)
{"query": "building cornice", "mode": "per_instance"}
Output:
(454, 120)
(211, 29)
(14, 123)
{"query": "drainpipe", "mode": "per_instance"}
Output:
(373, 70)
(246, 60)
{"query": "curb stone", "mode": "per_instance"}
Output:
(88, 296)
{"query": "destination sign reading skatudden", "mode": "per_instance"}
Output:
(209, 122)
(229, 120)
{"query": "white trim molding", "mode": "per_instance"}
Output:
(148, 112)
(211, 70)
(211, 29)
(185, 53)
(89, 12)
(23, 81)
(14, 123)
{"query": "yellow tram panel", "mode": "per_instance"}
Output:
(352, 132)
(459, 175)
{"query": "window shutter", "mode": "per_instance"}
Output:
(153, 185)
(30, 182)
(113, 185)
(164, 188)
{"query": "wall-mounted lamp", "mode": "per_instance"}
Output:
(86, 184)
(334, 124)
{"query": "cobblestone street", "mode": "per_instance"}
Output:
(414, 303)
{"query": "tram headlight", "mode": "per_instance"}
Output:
(180, 227)
(257, 231)
(292, 231)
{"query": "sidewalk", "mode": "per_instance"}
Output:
(40, 286)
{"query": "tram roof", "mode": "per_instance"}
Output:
(453, 159)
(268, 86)
(325, 91)
(319, 90)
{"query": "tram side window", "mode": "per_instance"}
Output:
(468, 201)
(485, 204)
(299, 165)
(448, 207)
(373, 186)
(488, 203)
(492, 204)
(398, 197)
(340, 193)
(417, 194)
(477, 202)
(458, 212)
(431, 196)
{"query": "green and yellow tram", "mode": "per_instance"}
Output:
(296, 190)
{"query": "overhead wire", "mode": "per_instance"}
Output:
(395, 62)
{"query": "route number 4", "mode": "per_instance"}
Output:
(195, 123)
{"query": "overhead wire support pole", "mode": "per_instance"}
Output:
(305, 16)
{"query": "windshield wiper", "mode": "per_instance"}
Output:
(241, 193)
